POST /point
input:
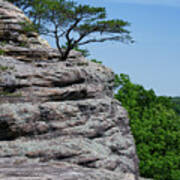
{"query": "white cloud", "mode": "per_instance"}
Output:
(149, 2)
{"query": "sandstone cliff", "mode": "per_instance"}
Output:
(58, 119)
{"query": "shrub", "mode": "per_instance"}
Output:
(3, 68)
(96, 61)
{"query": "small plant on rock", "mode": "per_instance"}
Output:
(2, 52)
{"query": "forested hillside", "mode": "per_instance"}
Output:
(156, 129)
(176, 101)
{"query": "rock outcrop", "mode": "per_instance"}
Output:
(58, 119)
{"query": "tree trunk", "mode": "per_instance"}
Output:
(66, 53)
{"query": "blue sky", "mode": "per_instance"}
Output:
(154, 60)
(148, 2)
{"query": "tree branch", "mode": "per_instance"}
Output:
(72, 27)
(115, 38)
(57, 39)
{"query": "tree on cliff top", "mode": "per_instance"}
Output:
(73, 24)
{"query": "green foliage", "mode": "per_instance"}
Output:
(84, 52)
(3, 43)
(2, 52)
(23, 44)
(82, 64)
(8, 94)
(176, 104)
(28, 27)
(156, 129)
(3, 68)
(96, 61)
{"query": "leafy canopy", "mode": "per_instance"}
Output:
(156, 129)
(176, 102)
(73, 24)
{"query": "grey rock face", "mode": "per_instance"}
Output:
(58, 119)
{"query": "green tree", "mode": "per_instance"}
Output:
(73, 25)
(156, 129)
(176, 104)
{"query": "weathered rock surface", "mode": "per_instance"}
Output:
(58, 119)
(12, 32)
